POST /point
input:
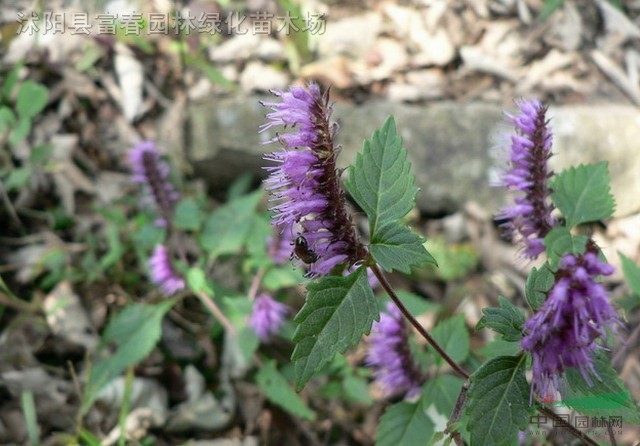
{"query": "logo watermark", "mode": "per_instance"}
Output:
(81, 23)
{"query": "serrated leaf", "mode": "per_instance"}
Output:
(583, 193)
(280, 393)
(337, 312)
(631, 273)
(607, 396)
(498, 402)
(508, 320)
(405, 424)
(538, 285)
(188, 215)
(32, 98)
(442, 391)
(134, 333)
(380, 180)
(226, 229)
(559, 241)
(396, 247)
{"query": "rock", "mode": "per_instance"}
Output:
(431, 82)
(448, 145)
(238, 48)
(259, 77)
(334, 71)
(352, 36)
(436, 48)
(402, 92)
(392, 56)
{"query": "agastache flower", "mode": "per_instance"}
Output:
(162, 272)
(267, 317)
(529, 219)
(305, 180)
(566, 330)
(151, 171)
(390, 355)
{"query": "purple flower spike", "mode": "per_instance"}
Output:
(390, 356)
(268, 316)
(566, 329)
(305, 180)
(149, 170)
(162, 272)
(530, 217)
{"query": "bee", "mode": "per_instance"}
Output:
(302, 251)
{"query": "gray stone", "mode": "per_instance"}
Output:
(449, 145)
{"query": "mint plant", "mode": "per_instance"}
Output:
(562, 337)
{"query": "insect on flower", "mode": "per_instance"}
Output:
(302, 251)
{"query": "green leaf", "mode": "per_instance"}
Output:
(226, 229)
(282, 277)
(197, 281)
(498, 402)
(405, 424)
(30, 417)
(380, 180)
(606, 397)
(18, 178)
(356, 389)
(337, 311)
(187, 215)
(499, 347)
(133, 333)
(583, 194)
(631, 273)
(453, 337)
(41, 153)
(538, 284)
(32, 98)
(7, 119)
(559, 241)
(455, 261)
(20, 131)
(279, 392)
(508, 320)
(549, 7)
(395, 247)
(238, 309)
(258, 237)
(442, 391)
(416, 305)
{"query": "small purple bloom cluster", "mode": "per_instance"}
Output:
(566, 329)
(305, 181)
(529, 218)
(267, 317)
(151, 171)
(162, 272)
(390, 355)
